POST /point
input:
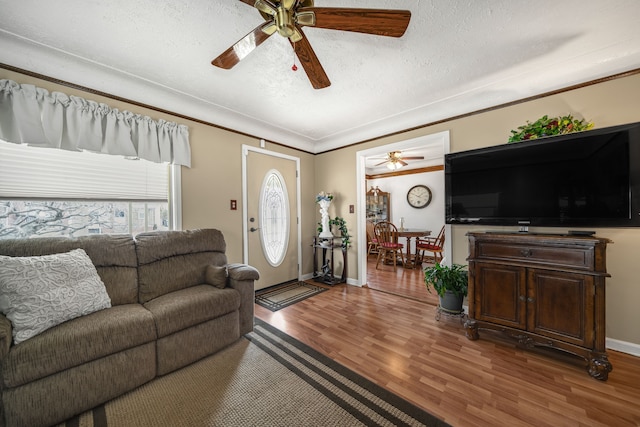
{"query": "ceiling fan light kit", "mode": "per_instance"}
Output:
(287, 17)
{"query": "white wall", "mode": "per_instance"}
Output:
(429, 218)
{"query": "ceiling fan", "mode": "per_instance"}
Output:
(395, 160)
(287, 17)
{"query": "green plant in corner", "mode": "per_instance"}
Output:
(443, 278)
(342, 226)
(546, 126)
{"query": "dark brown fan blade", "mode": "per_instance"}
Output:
(310, 62)
(403, 163)
(413, 158)
(249, 2)
(230, 57)
(382, 163)
(382, 22)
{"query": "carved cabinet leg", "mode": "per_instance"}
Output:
(471, 329)
(599, 366)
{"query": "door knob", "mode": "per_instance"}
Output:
(253, 229)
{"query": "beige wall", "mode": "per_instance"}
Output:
(215, 178)
(606, 104)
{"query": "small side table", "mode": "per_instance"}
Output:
(323, 251)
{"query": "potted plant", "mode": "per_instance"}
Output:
(450, 283)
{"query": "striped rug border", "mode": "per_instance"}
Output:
(370, 404)
(381, 393)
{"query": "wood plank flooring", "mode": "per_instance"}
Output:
(396, 342)
(408, 282)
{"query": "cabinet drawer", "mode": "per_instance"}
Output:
(575, 257)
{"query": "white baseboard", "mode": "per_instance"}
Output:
(623, 346)
(354, 282)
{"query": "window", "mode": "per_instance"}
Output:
(274, 218)
(51, 192)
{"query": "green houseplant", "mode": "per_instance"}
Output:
(341, 224)
(450, 283)
(549, 126)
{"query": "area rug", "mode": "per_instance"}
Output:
(282, 296)
(268, 379)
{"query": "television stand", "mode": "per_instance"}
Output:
(544, 291)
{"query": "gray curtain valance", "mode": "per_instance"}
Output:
(31, 115)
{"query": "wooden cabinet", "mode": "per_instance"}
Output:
(542, 290)
(377, 206)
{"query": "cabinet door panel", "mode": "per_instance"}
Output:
(559, 306)
(500, 294)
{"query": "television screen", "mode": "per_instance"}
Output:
(586, 179)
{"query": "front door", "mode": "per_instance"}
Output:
(271, 223)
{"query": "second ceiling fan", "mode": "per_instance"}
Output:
(287, 17)
(395, 160)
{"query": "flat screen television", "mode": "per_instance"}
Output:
(584, 179)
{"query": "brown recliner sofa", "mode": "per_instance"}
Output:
(169, 308)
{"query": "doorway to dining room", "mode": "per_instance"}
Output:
(427, 172)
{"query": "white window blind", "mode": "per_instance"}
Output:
(46, 173)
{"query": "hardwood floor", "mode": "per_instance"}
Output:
(396, 342)
(407, 282)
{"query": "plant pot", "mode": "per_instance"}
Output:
(451, 303)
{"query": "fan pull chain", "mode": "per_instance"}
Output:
(294, 67)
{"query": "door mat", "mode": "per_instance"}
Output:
(280, 296)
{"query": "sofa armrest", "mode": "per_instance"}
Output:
(241, 278)
(240, 272)
(6, 336)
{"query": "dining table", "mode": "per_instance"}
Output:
(410, 234)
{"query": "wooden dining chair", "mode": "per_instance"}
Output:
(435, 245)
(372, 242)
(389, 250)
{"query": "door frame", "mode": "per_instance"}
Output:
(245, 221)
(435, 138)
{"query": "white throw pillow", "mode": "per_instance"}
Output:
(39, 292)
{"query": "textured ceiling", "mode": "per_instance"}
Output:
(456, 57)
